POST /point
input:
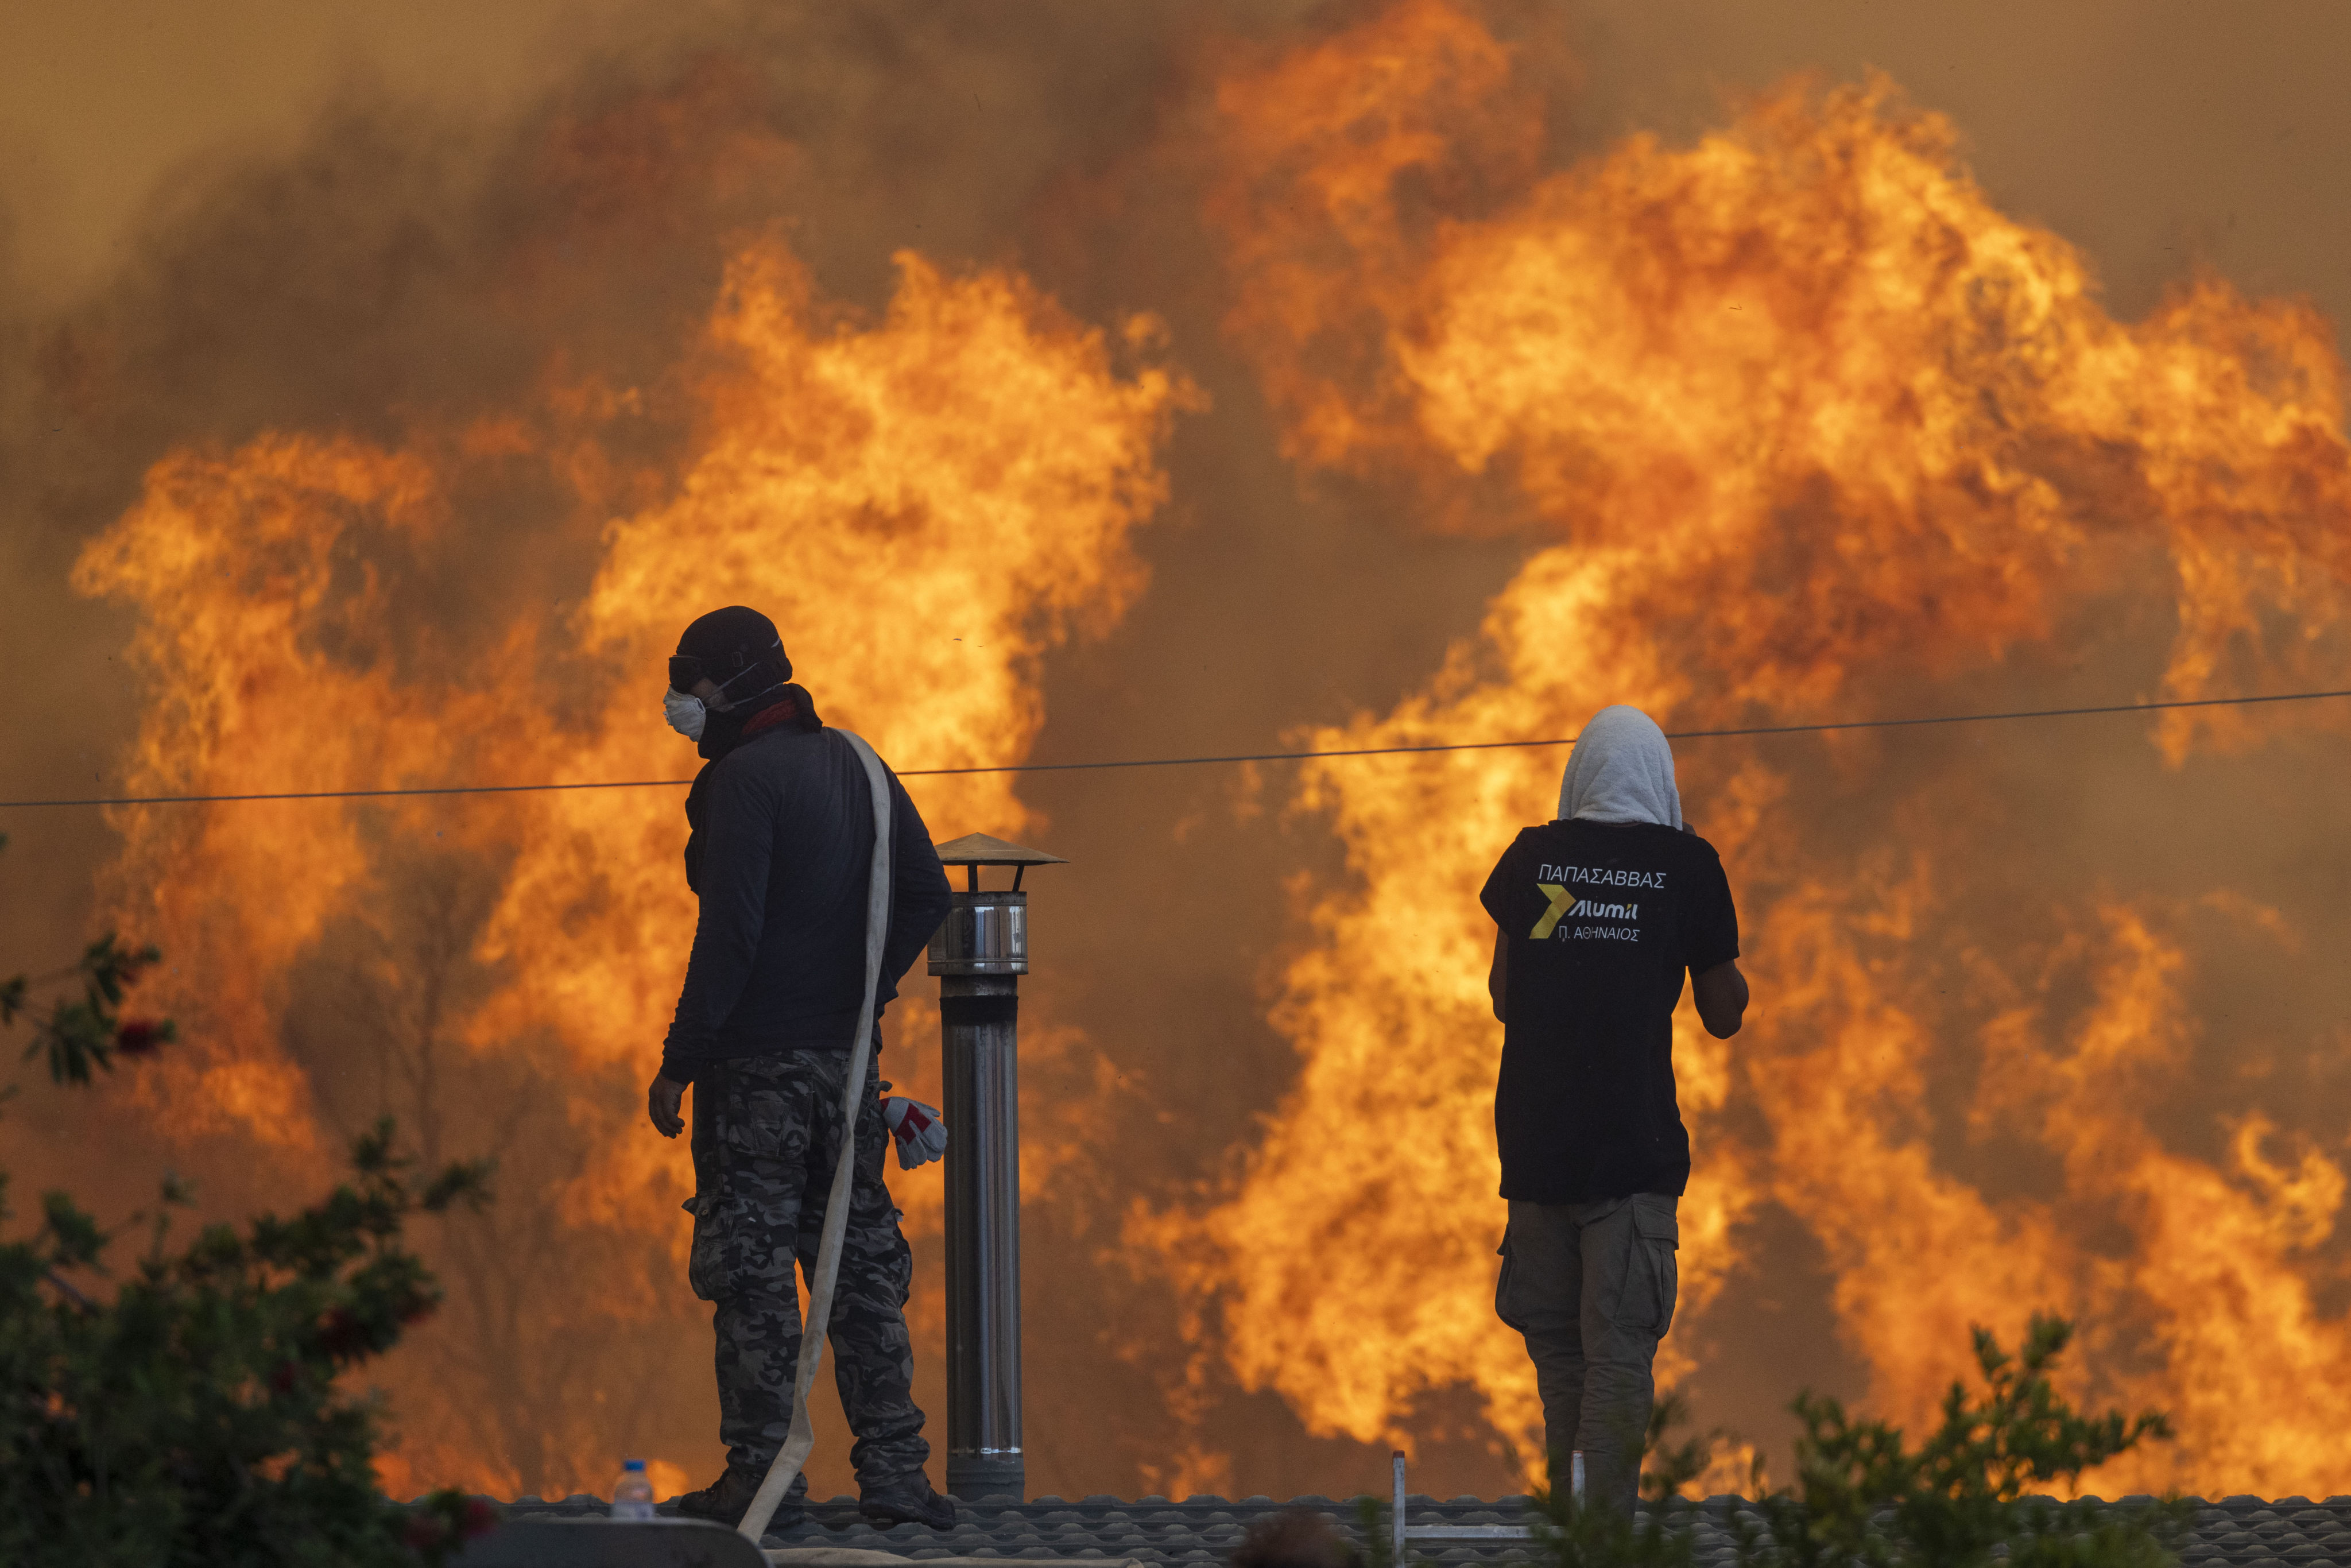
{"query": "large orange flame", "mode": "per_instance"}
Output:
(924, 504)
(1804, 427)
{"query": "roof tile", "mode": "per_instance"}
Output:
(1153, 1533)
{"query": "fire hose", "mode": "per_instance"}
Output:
(802, 1437)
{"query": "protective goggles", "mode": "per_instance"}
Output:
(684, 669)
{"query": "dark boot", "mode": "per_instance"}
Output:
(906, 1499)
(728, 1498)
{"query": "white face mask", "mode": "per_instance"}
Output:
(689, 715)
(686, 713)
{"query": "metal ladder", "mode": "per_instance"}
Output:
(1400, 1533)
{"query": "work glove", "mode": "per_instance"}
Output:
(917, 1129)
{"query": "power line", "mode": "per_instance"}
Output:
(1204, 762)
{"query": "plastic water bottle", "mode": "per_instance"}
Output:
(632, 1494)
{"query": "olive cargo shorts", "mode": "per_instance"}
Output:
(1592, 1287)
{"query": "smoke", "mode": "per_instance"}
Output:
(488, 356)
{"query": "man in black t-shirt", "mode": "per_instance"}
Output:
(1601, 912)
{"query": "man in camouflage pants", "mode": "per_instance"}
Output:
(767, 1135)
(780, 857)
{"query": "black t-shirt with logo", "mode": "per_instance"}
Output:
(1604, 919)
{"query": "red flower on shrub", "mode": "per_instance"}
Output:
(140, 1037)
(283, 1376)
(342, 1335)
(481, 1517)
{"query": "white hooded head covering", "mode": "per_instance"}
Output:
(1621, 770)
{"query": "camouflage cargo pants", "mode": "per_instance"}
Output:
(766, 1133)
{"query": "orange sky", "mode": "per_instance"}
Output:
(2146, 133)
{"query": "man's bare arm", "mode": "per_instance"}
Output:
(1498, 979)
(1720, 994)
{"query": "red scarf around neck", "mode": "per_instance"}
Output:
(781, 711)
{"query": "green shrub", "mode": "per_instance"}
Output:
(192, 1414)
(1862, 1499)
(1975, 1487)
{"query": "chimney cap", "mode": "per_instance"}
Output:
(978, 849)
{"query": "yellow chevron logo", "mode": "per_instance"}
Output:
(1557, 893)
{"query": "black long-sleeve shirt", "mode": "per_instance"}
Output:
(784, 845)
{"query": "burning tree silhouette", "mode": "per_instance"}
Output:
(561, 1357)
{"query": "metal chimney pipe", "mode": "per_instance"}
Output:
(979, 954)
